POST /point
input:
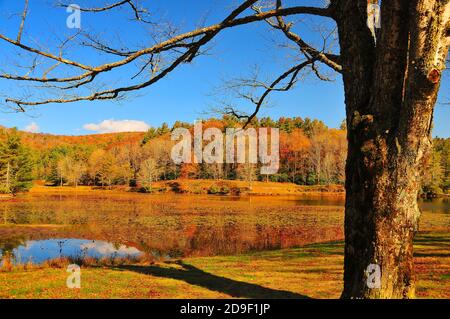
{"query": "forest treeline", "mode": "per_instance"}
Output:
(310, 154)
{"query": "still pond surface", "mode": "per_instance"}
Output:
(39, 227)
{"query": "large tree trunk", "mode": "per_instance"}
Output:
(391, 88)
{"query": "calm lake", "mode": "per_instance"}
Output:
(39, 227)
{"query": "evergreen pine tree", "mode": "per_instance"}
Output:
(16, 165)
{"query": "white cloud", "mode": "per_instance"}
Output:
(112, 126)
(32, 128)
(105, 248)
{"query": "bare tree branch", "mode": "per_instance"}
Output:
(290, 74)
(186, 46)
(136, 11)
(22, 24)
(329, 59)
(99, 9)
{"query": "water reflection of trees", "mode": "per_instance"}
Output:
(174, 225)
(7, 246)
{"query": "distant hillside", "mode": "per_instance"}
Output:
(43, 141)
(310, 154)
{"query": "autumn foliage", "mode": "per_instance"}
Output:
(310, 154)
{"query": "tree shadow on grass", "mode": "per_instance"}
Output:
(198, 277)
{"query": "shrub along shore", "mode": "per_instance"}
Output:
(202, 187)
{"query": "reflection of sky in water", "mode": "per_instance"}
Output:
(42, 250)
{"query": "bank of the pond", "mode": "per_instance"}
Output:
(210, 187)
(313, 271)
(214, 187)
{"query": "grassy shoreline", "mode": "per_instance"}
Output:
(312, 271)
(205, 187)
(199, 187)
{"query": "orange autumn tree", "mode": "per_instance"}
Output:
(294, 149)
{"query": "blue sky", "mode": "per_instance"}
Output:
(192, 90)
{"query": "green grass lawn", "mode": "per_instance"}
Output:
(313, 271)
